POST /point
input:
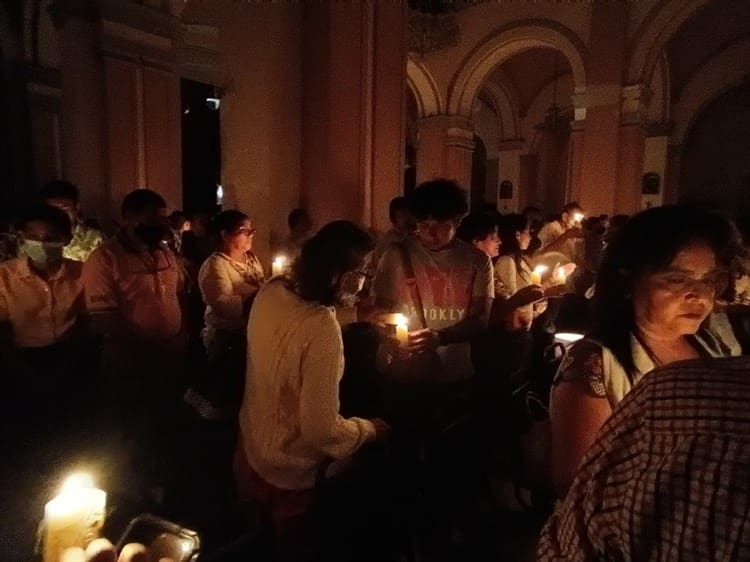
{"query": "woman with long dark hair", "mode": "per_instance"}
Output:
(655, 292)
(290, 426)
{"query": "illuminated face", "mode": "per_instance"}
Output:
(489, 245)
(524, 239)
(436, 235)
(675, 302)
(241, 238)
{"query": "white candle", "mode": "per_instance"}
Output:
(536, 275)
(73, 518)
(278, 266)
(402, 329)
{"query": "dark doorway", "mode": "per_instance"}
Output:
(201, 147)
(478, 175)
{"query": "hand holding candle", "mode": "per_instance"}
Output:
(536, 275)
(402, 329)
(278, 266)
(73, 518)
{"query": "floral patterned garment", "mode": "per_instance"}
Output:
(85, 240)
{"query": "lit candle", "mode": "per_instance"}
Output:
(402, 329)
(73, 518)
(578, 217)
(560, 276)
(536, 275)
(278, 266)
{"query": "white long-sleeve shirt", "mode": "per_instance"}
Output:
(289, 421)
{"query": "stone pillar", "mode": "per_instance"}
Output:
(631, 146)
(575, 159)
(604, 70)
(510, 170)
(260, 70)
(445, 148)
(82, 119)
(353, 126)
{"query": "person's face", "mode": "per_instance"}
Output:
(65, 205)
(524, 238)
(573, 218)
(436, 235)
(490, 245)
(241, 238)
(40, 231)
(151, 226)
(350, 284)
(674, 302)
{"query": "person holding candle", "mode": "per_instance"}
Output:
(290, 426)
(445, 287)
(564, 233)
(229, 280)
(655, 294)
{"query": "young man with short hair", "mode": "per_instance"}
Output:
(64, 196)
(563, 234)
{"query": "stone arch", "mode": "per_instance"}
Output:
(505, 43)
(720, 74)
(425, 89)
(660, 105)
(651, 39)
(506, 107)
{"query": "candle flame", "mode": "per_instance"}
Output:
(578, 217)
(401, 320)
(77, 481)
(539, 269)
(279, 260)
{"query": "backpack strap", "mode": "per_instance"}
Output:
(411, 281)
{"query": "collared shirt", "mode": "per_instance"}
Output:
(40, 311)
(668, 477)
(85, 240)
(144, 287)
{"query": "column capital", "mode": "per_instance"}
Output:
(458, 130)
(510, 144)
(634, 104)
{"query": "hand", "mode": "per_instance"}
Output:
(101, 550)
(423, 341)
(555, 290)
(528, 295)
(568, 268)
(572, 233)
(382, 429)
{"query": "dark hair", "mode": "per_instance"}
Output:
(509, 226)
(476, 226)
(59, 189)
(646, 244)
(53, 216)
(297, 217)
(141, 200)
(572, 207)
(439, 199)
(338, 247)
(226, 221)
(397, 205)
(177, 219)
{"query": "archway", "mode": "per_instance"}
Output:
(426, 93)
(716, 153)
(506, 43)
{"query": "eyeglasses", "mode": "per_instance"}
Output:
(716, 282)
(246, 230)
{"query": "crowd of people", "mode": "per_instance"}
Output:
(451, 379)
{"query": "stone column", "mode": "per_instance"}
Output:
(631, 146)
(353, 126)
(82, 114)
(445, 148)
(575, 156)
(510, 170)
(672, 173)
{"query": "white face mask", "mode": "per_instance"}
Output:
(43, 254)
(349, 289)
